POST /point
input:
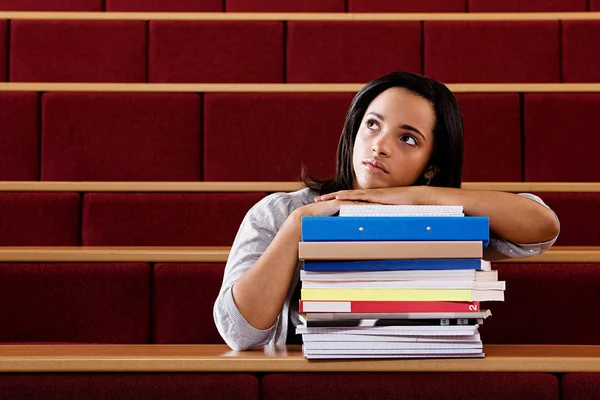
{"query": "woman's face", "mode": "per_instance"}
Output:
(394, 141)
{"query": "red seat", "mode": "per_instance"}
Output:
(149, 386)
(580, 385)
(19, 136)
(183, 298)
(182, 219)
(545, 304)
(492, 125)
(3, 53)
(121, 137)
(39, 219)
(527, 6)
(406, 385)
(561, 139)
(51, 5)
(492, 51)
(286, 6)
(85, 302)
(77, 51)
(349, 52)
(381, 6)
(270, 135)
(216, 51)
(165, 6)
(594, 5)
(580, 55)
(578, 215)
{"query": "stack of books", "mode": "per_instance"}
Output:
(395, 282)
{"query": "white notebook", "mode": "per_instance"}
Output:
(383, 210)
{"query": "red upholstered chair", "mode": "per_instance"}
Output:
(346, 51)
(3, 53)
(407, 6)
(270, 135)
(183, 298)
(492, 137)
(406, 385)
(51, 5)
(77, 51)
(39, 219)
(216, 51)
(121, 137)
(182, 219)
(168, 6)
(561, 139)
(581, 385)
(19, 136)
(545, 304)
(285, 5)
(149, 386)
(580, 56)
(83, 302)
(492, 51)
(527, 6)
(578, 215)
(594, 5)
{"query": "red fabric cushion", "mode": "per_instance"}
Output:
(407, 6)
(121, 137)
(492, 51)
(183, 219)
(160, 5)
(3, 43)
(545, 304)
(183, 298)
(561, 140)
(77, 51)
(216, 51)
(19, 136)
(583, 385)
(527, 6)
(53, 5)
(594, 5)
(100, 303)
(270, 135)
(286, 5)
(410, 386)
(129, 386)
(578, 215)
(492, 137)
(39, 219)
(580, 55)
(349, 52)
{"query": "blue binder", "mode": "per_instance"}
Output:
(395, 265)
(360, 229)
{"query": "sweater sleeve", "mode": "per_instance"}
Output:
(257, 230)
(518, 250)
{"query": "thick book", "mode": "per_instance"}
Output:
(388, 346)
(457, 330)
(393, 322)
(388, 250)
(473, 285)
(387, 306)
(401, 295)
(388, 229)
(368, 355)
(325, 316)
(335, 353)
(435, 264)
(408, 275)
(340, 337)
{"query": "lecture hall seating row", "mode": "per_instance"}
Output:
(171, 303)
(193, 219)
(298, 51)
(509, 137)
(303, 5)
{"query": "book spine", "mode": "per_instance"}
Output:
(388, 306)
(388, 294)
(395, 265)
(394, 322)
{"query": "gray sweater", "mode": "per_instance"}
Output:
(259, 227)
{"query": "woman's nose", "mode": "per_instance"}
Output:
(381, 146)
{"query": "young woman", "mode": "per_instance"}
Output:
(402, 143)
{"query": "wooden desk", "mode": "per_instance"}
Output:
(219, 358)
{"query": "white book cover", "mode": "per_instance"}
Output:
(324, 337)
(388, 356)
(420, 275)
(431, 284)
(483, 314)
(358, 210)
(453, 330)
(389, 346)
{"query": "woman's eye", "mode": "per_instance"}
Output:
(372, 124)
(409, 140)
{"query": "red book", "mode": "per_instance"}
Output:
(388, 306)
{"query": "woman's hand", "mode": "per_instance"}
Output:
(409, 195)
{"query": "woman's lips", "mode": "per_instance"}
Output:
(375, 166)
